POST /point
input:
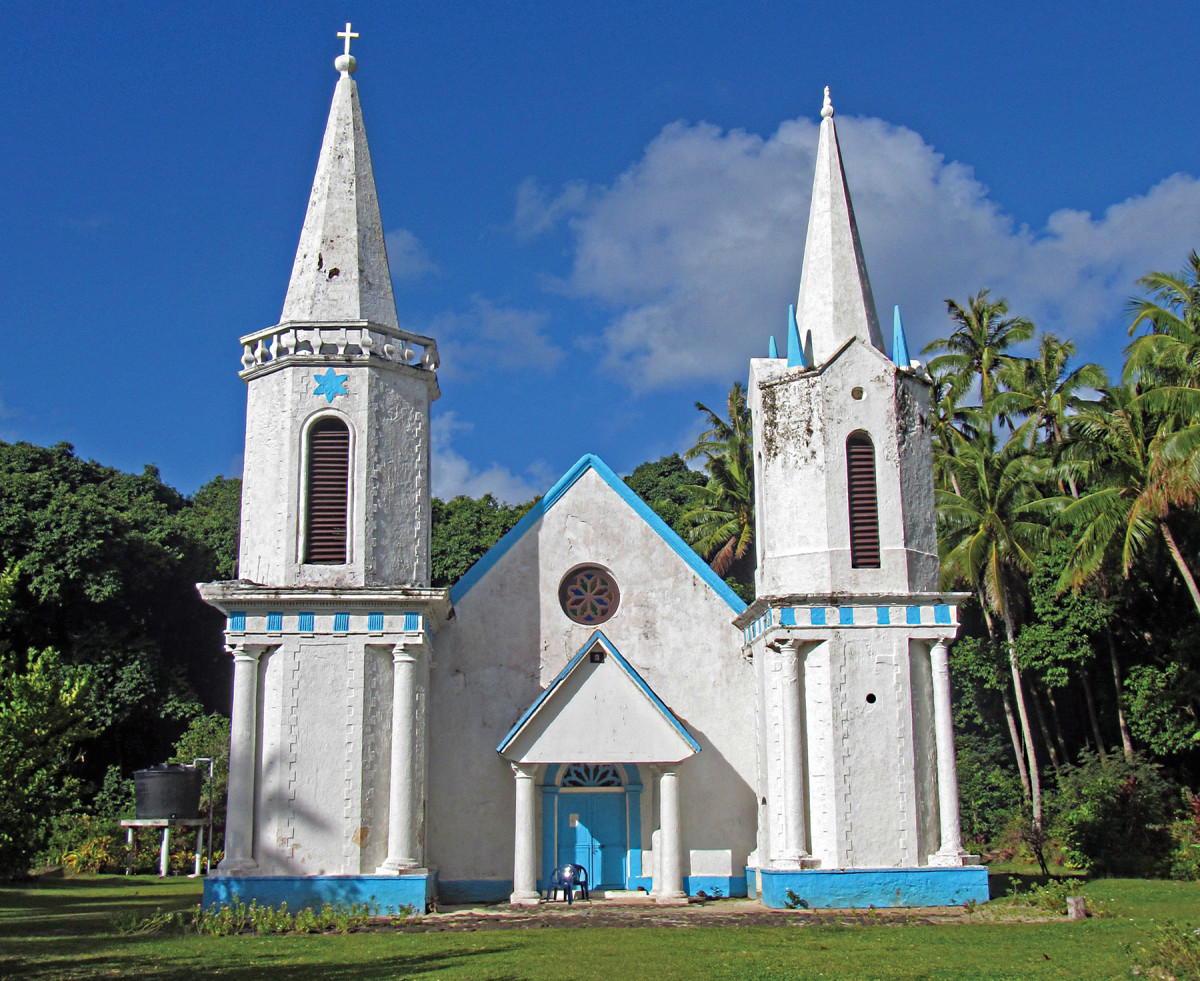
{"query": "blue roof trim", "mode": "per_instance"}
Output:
(599, 638)
(592, 462)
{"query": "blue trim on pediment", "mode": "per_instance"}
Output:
(640, 508)
(599, 638)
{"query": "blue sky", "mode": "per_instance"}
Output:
(597, 209)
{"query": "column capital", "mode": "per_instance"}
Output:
(523, 771)
(403, 651)
(243, 653)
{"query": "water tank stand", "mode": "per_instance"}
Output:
(164, 858)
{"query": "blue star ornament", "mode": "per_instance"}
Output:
(331, 384)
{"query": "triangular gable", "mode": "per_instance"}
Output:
(640, 507)
(598, 712)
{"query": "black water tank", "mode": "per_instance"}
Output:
(167, 792)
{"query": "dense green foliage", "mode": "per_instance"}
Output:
(105, 639)
(720, 524)
(1067, 507)
(1113, 815)
(669, 487)
(464, 529)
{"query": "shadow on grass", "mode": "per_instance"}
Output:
(1001, 884)
(87, 906)
(324, 959)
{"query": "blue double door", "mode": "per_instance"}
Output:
(591, 833)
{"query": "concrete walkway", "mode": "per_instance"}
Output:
(644, 912)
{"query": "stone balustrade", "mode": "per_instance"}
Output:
(351, 341)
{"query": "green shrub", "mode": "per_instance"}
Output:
(233, 918)
(1172, 953)
(1113, 815)
(1185, 859)
(989, 792)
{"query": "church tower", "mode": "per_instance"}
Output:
(335, 490)
(847, 633)
(330, 624)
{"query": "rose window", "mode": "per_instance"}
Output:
(589, 595)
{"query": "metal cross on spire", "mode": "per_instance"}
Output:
(347, 34)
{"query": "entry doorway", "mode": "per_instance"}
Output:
(591, 816)
(591, 833)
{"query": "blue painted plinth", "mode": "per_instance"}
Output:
(389, 892)
(848, 888)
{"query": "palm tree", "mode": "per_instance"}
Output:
(1133, 488)
(950, 422)
(975, 349)
(1044, 393)
(1164, 367)
(721, 525)
(1169, 355)
(990, 532)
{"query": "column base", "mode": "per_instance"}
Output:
(954, 859)
(671, 899)
(400, 866)
(235, 866)
(796, 862)
(525, 898)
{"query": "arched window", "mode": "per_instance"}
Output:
(328, 482)
(863, 502)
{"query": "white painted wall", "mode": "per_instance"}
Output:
(802, 418)
(387, 412)
(510, 639)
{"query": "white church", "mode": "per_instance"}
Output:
(590, 692)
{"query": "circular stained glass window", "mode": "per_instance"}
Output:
(589, 595)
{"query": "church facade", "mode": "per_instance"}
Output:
(590, 692)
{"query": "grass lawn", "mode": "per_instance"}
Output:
(64, 929)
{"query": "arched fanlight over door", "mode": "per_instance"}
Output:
(328, 483)
(862, 501)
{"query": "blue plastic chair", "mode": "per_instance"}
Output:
(565, 878)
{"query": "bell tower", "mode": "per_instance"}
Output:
(847, 632)
(335, 490)
(331, 623)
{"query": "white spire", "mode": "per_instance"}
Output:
(341, 268)
(834, 303)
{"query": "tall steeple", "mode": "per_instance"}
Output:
(835, 302)
(341, 268)
(335, 490)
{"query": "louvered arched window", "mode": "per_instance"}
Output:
(328, 483)
(863, 502)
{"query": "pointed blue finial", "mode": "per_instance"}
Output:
(899, 341)
(795, 352)
(772, 350)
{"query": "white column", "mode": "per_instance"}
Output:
(671, 891)
(402, 837)
(793, 758)
(164, 853)
(951, 851)
(243, 747)
(525, 843)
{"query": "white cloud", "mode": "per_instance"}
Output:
(538, 210)
(697, 247)
(489, 336)
(452, 474)
(407, 257)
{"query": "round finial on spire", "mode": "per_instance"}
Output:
(346, 63)
(826, 109)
